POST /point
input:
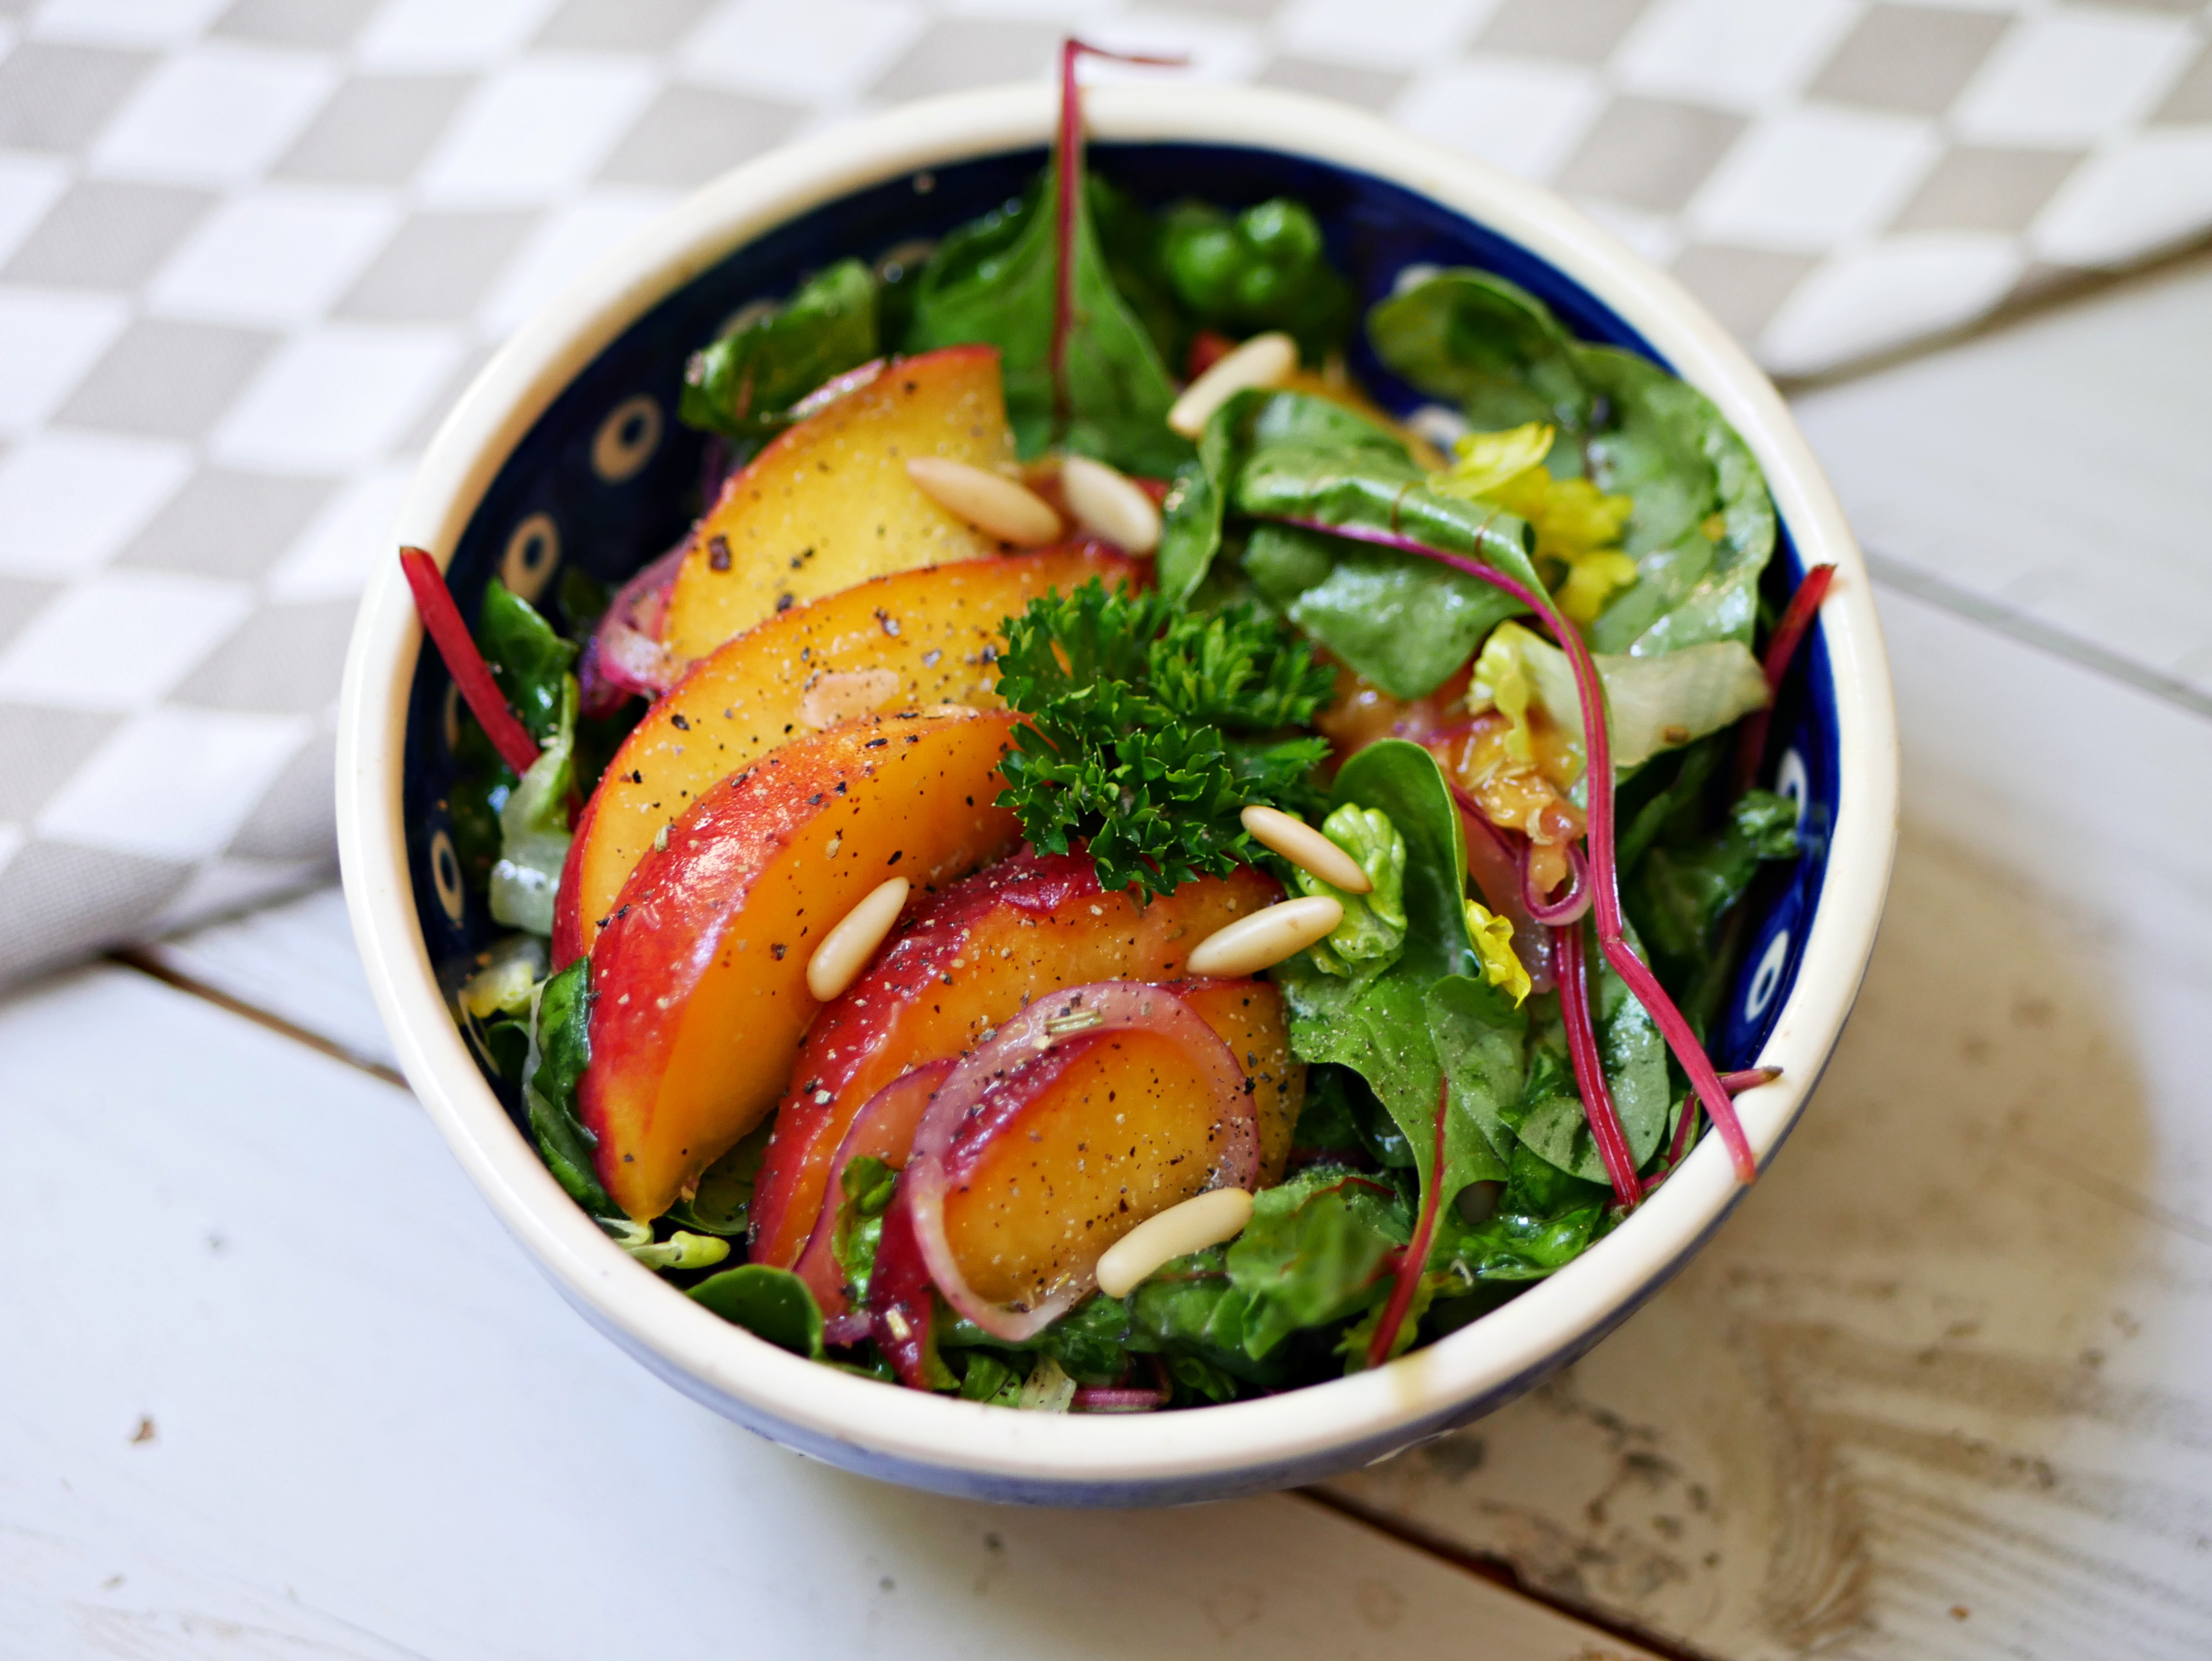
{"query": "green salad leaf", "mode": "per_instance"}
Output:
(1373, 932)
(867, 1183)
(770, 1303)
(1702, 526)
(1313, 1253)
(994, 282)
(528, 659)
(1544, 1220)
(722, 1203)
(560, 1050)
(534, 829)
(745, 384)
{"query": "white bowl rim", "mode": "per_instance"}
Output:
(880, 1424)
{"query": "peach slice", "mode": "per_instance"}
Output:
(699, 979)
(1093, 1109)
(1249, 1016)
(828, 504)
(903, 642)
(962, 963)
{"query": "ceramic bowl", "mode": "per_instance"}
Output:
(565, 450)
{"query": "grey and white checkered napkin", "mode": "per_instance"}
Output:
(251, 249)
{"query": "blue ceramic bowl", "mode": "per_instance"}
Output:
(566, 452)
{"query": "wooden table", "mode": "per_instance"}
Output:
(273, 1383)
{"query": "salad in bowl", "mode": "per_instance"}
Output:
(1176, 823)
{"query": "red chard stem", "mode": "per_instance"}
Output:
(1789, 635)
(1604, 874)
(1415, 1258)
(1589, 1069)
(441, 621)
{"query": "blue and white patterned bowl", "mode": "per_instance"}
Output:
(566, 450)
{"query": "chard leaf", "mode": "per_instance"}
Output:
(1091, 1342)
(1481, 1039)
(1190, 1308)
(1702, 527)
(994, 283)
(770, 1303)
(744, 384)
(1313, 1253)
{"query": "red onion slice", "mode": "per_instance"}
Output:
(883, 1129)
(624, 655)
(1496, 868)
(989, 1092)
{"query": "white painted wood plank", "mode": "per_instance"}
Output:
(2056, 470)
(372, 1430)
(295, 960)
(1944, 1387)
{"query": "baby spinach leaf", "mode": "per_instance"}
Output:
(1091, 1341)
(1545, 1220)
(561, 1050)
(1481, 1039)
(996, 284)
(1553, 1124)
(527, 659)
(988, 1377)
(1313, 1253)
(722, 1203)
(770, 1303)
(868, 1184)
(1486, 345)
(744, 384)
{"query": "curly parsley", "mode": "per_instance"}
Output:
(1150, 730)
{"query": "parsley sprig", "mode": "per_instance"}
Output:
(1150, 730)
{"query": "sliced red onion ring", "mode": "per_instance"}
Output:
(1557, 914)
(624, 655)
(883, 1129)
(846, 1329)
(991, 1088)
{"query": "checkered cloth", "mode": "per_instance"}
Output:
(250, 251)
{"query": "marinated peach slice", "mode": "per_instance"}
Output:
(1249, 1016)
(1096, 1108)
(699, 979)
(963, 963)
(828, 504)
(903, 642)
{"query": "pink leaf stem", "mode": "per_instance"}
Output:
(441, 621)
(1558, 914)
(1735, 1084)
(1118, 1398)
(1605, 877)
(1590, 1070)
(1789, 633)
(1415, 1258)
(1069, 183)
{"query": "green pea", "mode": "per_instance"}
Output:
(1204, 262)
(1261, 288)
(1284, 231)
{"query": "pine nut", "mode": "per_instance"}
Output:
(997, 506)
(1264, 939)
(1105, 502)
(846, 949)
(1208, 1218)
(1264, 360)
(1306, 848)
